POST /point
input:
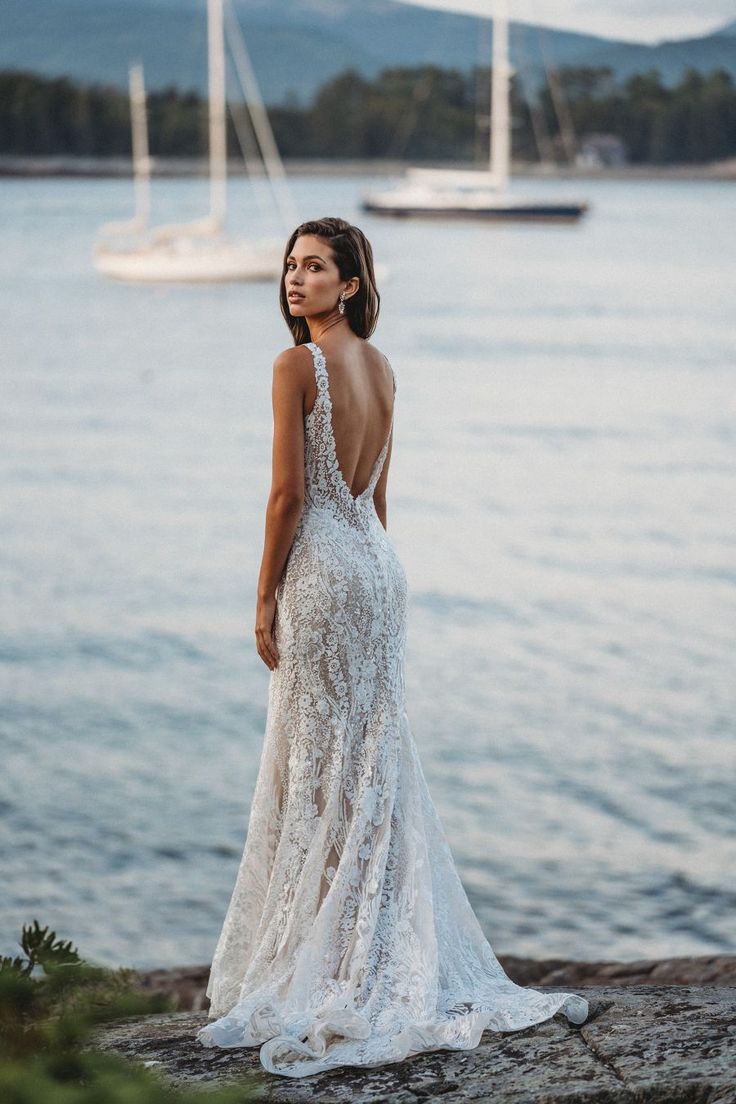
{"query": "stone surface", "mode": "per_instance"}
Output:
(692, 970)
(641, 1044)
(187, 984)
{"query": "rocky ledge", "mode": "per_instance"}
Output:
(186, 985)
(669, 1044)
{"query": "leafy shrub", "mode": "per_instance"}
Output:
(51, 1001)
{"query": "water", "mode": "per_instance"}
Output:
(561, 495)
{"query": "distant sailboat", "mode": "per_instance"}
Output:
(199, 250)
(477, 193)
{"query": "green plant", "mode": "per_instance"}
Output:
(51, 1001)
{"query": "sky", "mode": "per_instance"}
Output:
(632, 20)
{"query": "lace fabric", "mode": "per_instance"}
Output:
(349, 939)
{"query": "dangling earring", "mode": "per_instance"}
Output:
(341, 303)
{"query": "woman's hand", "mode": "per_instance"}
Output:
(265, 641)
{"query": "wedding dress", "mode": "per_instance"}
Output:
(349, 939)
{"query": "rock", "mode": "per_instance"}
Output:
(694, 970)
(641, 1043)
(186, 985)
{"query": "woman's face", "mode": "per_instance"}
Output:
(312, 279)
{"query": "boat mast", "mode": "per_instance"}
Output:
(216, 80)
(138, 224)
(259, 118)
(141, 160)
(500, 92)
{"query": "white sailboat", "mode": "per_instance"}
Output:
(198, 251)
(477, 193)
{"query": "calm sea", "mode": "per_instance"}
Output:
(562, 496)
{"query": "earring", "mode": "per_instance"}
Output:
(341, 303)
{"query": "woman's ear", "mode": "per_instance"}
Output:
(351, 287)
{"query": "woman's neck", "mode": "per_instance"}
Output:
(319, 325)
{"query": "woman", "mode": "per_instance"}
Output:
(349, 939)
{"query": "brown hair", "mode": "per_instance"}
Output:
(354, 257)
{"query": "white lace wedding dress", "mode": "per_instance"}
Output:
(349, 940)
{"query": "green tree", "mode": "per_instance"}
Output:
(417, 113)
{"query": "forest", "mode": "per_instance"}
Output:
(421, 114)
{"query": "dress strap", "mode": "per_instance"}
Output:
(320, 370)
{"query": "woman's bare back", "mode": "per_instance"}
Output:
(361, 387)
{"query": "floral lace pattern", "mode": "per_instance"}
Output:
(349, 939)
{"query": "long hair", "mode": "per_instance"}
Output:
(354, 257)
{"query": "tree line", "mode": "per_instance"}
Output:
(421, 113)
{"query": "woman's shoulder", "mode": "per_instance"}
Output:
(295, 363)
(374, 350)
(381, 359)
(294, 355)
(293, 370)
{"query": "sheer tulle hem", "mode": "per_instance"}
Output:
(345, 1037)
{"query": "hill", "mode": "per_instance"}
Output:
(297, 45)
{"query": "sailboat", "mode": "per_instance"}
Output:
(477, 193)
(199, 251)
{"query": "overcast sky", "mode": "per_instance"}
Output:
(635, 20)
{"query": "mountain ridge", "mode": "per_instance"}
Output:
(300, 44)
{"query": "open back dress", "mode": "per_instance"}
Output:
(349, 939)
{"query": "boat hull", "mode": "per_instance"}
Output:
(490, 212)
(171, 265)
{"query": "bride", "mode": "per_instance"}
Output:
(349, 939)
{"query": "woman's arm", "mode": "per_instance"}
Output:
(286, 498)
(379, 493)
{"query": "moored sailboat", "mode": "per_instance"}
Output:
(477, 193)
(200, 250)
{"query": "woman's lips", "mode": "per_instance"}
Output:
(294, 296)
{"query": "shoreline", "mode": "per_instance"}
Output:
(187, 984)
(60, 165)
